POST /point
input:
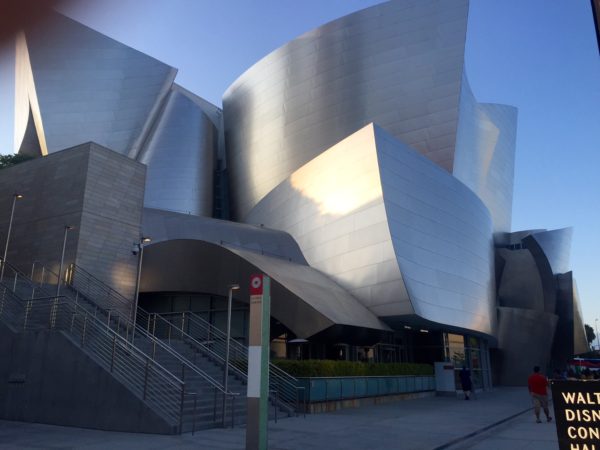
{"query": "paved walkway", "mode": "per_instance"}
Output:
(427, 423)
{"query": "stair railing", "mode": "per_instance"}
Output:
(289, 393)
(170, 332)
(145, 377)
(89, 308)
(102, 294)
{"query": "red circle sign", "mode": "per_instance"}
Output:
(256, 285)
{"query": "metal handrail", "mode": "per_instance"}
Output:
(84, 282)
(151, 318)
(82, 305)
(185, 362)
(77, 278)
(150, 381)
(75, 272)
(18, 278)
(70, 276)
(280, 380)
(285, 384)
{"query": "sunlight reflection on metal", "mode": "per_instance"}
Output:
(341, 191)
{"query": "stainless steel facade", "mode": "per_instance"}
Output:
(361, 139)
(485, 154)
(75, 85)
(400, 233)
(230, 253)
(181, 156)
(92, 88)
(524, 337)
(537, 303)
(556, 245)
(398, 64)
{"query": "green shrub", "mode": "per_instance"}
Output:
(331, 368)
(11, 160)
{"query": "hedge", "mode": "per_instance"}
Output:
(331, 368)
(11, 160)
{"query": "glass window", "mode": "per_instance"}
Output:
(455, 349)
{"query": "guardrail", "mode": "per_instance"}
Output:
(289, 394)
(90, 286)
(324, 389)
(116, 324)
(142, 375)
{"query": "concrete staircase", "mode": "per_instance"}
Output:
(78, 350)
(152, 368)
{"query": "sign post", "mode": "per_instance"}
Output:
(258, 362)
(577, 414)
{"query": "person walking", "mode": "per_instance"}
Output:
(538, 389)
(465, 382)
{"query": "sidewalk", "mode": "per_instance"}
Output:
(427, 423)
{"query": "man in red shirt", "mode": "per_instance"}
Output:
(538, 388)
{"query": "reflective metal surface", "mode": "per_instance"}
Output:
(29, 135)
(76, 85)
(570, 332)
(520, 284)
(207, 255)
(524, 337)
(181, 157)
(534, 284)
(165, 225)
(396, 230)
(398, 64)
(556, 245)
(90, 87)
(580, 342)
(485, 154)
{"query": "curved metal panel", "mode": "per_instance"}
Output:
(580, 342)
(570, 333)
(485, 154)
(524, 337)
(396, 230)
(556, 245)
(183, 258)
(28, 126)
(165, 225)
(442, 236)
(93, 88)
(397, 64)
(181, 157)
(523, 282)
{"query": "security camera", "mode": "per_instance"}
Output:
(135, 249)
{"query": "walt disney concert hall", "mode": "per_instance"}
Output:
(353, 165)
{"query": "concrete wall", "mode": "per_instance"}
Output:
(111, 218)
(45, 378)
(92, 188)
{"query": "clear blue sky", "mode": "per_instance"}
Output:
(538, 55)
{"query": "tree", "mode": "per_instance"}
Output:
(589, 333)
(11, 160)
